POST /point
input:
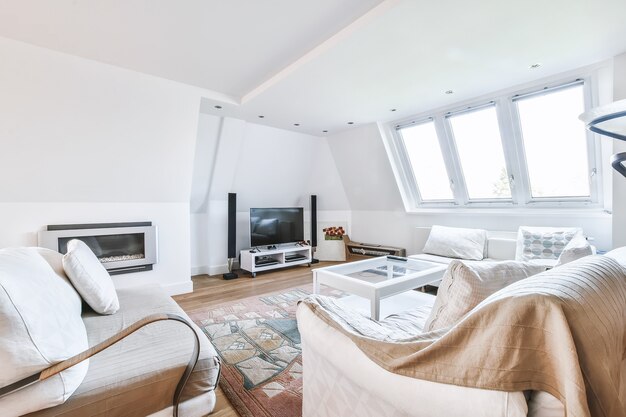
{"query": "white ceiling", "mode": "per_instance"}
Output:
(324, 63)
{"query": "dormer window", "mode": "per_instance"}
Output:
(516, 150)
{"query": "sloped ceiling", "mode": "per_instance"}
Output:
(229, 47)
(325, 63)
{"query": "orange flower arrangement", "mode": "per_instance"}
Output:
(334, 233)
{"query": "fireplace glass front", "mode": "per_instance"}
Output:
(111, 248)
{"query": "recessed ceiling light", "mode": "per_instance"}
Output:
(392, 110)
(296, 124)
(261, 116)
(350, 123)
(534, 66)
(449, 91)
(218, 107)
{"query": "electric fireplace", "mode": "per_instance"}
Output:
(121, 247)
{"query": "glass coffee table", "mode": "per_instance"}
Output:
(378, 278)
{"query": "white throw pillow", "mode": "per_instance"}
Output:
(543, 242)
(466, 284)
(456, 242)
(40, 325)
(577, 248)
(90, 278)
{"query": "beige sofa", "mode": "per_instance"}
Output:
(138, 376)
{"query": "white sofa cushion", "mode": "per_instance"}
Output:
(444, 259)
(40, 325)
(456, 242)
(90, 278)
(433, 258)
(543, 242)
(466, 284)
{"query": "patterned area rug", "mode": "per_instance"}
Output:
(258, 341)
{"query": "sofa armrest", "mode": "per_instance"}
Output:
(76, 359)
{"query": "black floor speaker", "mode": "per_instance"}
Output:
(313, 228)
(232, 235)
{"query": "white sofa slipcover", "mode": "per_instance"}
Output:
(340, 380)
(40, 325)
(135, 377)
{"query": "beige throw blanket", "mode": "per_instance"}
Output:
(562, 331)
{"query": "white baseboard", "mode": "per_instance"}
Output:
(200, 270)
(212, 269)
(176, 288)
(218, 269)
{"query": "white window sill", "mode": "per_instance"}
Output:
(589, 212)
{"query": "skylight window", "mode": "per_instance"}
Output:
(426, 160)
(479, 146)
(522, 150)
(555, 143)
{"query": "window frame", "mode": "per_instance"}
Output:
(406, 162)
(468, 201)
(509, 124)
(593, 147)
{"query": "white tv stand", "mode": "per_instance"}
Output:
(281, 257)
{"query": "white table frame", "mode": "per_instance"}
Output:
(376, 291)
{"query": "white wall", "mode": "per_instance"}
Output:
(619, 182)
(365, 169)
(172, 270)
(87, 142)
(387, 222)
(266, 167)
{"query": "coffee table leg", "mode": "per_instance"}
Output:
(375, 308)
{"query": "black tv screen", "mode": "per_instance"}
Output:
(273, 226)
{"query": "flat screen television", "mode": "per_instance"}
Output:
(273, 226)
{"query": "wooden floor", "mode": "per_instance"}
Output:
(213, 290)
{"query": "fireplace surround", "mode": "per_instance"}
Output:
(121, 247)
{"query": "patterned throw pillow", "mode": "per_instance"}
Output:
(543, 242)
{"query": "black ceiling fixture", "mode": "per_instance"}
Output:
(609, 120)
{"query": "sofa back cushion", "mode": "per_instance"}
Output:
(456, 242)
(40, 325)
(466, 284)
(501, 248)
